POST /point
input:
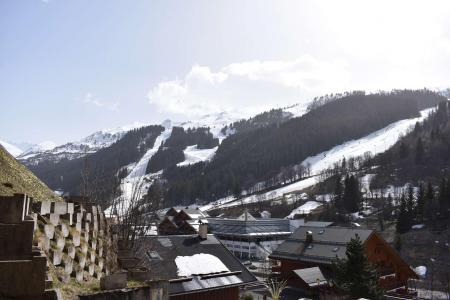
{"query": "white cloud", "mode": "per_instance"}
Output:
(249, 86)
(91, 99)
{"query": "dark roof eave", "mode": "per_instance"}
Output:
(222, 287)
(323, 260)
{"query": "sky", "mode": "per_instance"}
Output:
(72, 67)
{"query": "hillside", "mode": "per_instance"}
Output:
(423, 154)
(218, 157)
(261, 155)
(97, 175)
(16, 178)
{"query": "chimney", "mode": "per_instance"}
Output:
(203, 231)
(309, 237)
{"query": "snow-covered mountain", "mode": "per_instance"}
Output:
(12, 149)
(374, 143)
(76, 149)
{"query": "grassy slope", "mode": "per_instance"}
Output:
(22, 180)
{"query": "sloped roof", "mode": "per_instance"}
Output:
(246, 216)
(166, 250)
(327, 244)
(235, 227)
(194, 212)
(311, 276)
(338, 235)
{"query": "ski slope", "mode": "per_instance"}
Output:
(376, 142)
(192, 155)
(141, 166)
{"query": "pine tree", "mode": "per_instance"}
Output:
(355, 275)
(443, 194)
(344, 165)
(387, 208)
(410, 207)
(338, 194)
(429, 201)
(403, 225)
(403, 151)
(420, 152)
(420, 208)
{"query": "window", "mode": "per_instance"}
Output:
(153, 255)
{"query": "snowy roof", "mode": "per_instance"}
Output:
(199, 264)
(192, 264)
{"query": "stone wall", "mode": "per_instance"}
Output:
(76, 239)
(22, 266)
(157, 290)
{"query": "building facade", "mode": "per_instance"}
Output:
(315, 247)
(248, 237)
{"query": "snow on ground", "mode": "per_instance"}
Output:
(421, 271)
(199, 264)
(215, 122)
(376, 142)
(304, 209)
(134, 184)
(418, 226)
(140, 168)
(297, 110)
(13, 150)
(137, 182)
(271, 195)
(193, 155)
(365, 182)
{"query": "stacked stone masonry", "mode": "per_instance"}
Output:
(75, 237)
(22, 266)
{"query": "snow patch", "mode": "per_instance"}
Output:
(304, 209)
(199, 264)
(418, 226)
(421, 271)
(13, 150)
(194, 155)
(376, 142)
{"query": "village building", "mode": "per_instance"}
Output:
(197, 266)
(248, 237)
(180, 220)
(305, 258)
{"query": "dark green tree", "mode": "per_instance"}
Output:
(429, 201)
(420, 208)
(352, 194)
(444, 196)
(410, 204)
(388, 208)
(420, 152)
(355, 275)
(403, 150)
(338, 194)
(403, 224)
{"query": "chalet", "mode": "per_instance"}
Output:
(306, 257)
(176, 221)
(196, 266)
